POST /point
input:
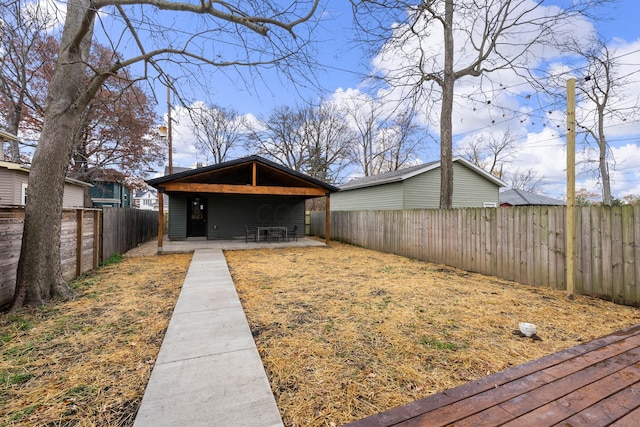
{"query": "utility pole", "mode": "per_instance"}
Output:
(169, 127)
(571, 186)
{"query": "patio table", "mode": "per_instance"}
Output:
(281, 230)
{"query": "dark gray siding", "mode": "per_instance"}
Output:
(229, 214)
(177, 217)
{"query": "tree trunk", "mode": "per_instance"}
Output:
(446, 111)
(39, 276)
(603, 165)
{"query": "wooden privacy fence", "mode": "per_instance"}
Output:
(88, 237)
(525, 244)
(126, 228)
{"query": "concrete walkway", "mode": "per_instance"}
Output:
(208, 371)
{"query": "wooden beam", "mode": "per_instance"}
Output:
(160, 219)
(327, 220)
(254, 174)
(243, 189)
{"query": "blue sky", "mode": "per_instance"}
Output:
(342, 65)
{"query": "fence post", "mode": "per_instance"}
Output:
(79, 231)
(97, 225)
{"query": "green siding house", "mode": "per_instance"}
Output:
(418, 187)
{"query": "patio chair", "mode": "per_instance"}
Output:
(274, 234)
(250, 233)
(293, 233)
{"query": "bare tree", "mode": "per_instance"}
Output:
(489, 152)
(402, 140)
(385, 140)
(526, 180)
(280, 138)
(605, 101)
(263, 30)
(314, 139)
(476, 38)
(24, 63)
(363, 116)
(327, 138)
(217, 129)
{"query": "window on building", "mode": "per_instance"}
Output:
(24, 193)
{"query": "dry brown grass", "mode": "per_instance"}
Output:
(86, 362)
(346, 332)
(343, 332)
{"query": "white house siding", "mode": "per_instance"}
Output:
(148, 201)
(380, 197)
(471, 190)
(11, 183)
(73, 196)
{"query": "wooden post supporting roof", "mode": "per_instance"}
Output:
(160, 218)
(254, 174)
(327, 220)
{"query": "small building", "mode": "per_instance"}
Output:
(110, 193)
(418, 187)
(515, 197)
(217, 202)
(14, 180)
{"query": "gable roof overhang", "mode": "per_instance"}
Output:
(406, 173)
(247, 175)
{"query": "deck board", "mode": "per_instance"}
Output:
(595, 383)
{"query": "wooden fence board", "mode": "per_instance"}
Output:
(628, 243)
(520, 244)
(80, 242)
(617, 276)
(596, 252)
(586, 280)
(605, 229)
(560, 243)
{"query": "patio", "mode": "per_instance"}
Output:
(183, 246)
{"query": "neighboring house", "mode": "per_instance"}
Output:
(14, 180)
(146, 199)
(525, 198)
(418, 187)
(110, 193)
(220, 201)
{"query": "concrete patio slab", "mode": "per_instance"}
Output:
(177, 246)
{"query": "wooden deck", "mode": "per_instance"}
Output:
(592, 384)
